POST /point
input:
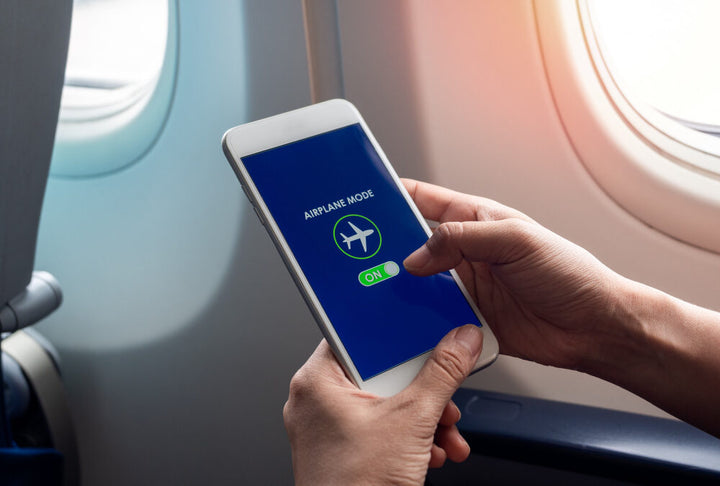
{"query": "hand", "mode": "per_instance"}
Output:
(342, 435)
(545, 298)
(550, 301)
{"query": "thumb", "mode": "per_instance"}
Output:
(449, 364)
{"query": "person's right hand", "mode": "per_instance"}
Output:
(546, 299)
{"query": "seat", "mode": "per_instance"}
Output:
(34, 37)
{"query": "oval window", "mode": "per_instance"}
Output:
(661, 55)
(118, 84)
(634, 85)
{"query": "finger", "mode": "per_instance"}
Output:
(449, 439)
(494, 242)
(441, 204)
(437, 457)
(446, 368)
(450, 414)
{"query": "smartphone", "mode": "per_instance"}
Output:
(343, 224)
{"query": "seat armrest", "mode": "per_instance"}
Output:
(588, 440)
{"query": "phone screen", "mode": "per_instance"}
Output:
(350, 228)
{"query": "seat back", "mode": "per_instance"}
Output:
(34, 37)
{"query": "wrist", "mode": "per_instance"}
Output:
(664, 350)
(629, 342)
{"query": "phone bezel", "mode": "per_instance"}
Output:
(299, 124)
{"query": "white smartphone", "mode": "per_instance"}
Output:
(343, 223)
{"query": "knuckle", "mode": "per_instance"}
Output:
(444, 235)
(523, 232)
(518, 226)
(302, 401)
(451, 364)
(300, 386)
(288, 415)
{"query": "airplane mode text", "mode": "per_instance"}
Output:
(340, 203)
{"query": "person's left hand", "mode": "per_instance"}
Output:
(343, 435)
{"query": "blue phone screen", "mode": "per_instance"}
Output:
(350, 229)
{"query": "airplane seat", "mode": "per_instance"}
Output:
(37, 444)
(37, 435)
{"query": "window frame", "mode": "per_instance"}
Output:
(110, 138)
(642, 160)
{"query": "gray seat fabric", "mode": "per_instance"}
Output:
(34, 36)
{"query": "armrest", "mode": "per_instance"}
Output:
(587, 440)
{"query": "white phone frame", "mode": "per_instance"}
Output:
(257, 136)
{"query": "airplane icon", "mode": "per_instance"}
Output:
(359, 235)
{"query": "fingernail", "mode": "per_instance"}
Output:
(459, 413)
(470, 337)
(465, 444)
(417, 259)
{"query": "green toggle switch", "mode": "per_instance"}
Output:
(373, 275)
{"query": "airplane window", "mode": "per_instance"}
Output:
(119, 84)
(115, 55)
(635, 87)
(661, 54)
